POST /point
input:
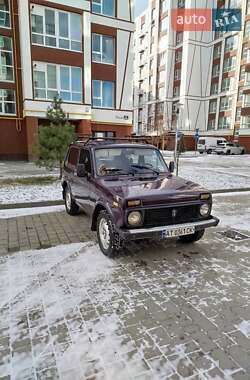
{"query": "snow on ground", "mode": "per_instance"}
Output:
(233, 210)
(217, 172)
(211, 171)
(49, 301)
(21, 169)
(13, 213)
(33, 193)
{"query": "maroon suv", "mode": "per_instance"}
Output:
(130, 193)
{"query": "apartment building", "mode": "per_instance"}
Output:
(201, 78)
(80, 50)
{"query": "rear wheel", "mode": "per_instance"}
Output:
(228, 153)
(209, 151)
(70, 205)
(108, 239)
(192, 238)
(243, 152)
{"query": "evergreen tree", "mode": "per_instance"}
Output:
(54, 138)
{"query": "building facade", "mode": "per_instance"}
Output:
(80, 50)
(200, 77)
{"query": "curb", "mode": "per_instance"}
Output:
(61, 202)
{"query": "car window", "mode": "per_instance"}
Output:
(202, 142)
(72, 157)
(86, 160)
(125, 160)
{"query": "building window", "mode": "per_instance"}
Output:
(231, 43)
(162, 58)
(245, 122)
(247, 29)
(211, 125)
(164, 24)
(178, 56)
(213, 106)
(103, 94)
(57, 80)
(177, 74)
(224, 123)
(56, 28)
(248, 6)
(4, 14)
(242, 73)
(105, 134)
(104, 7)
(6, 59)
(179, 38)
(247, 79)
(227, 84)
(217, 51)
(229, 64)
(103, 49)
(7, 102)
(164, 6)
(176, 91)
(225, 103)
(214, 88)
(240, 94)
(216, 71)
(246, 102)
(238, 114)
(181, 4)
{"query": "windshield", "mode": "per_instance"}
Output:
(129, 161)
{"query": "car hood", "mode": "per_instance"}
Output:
(157, 190)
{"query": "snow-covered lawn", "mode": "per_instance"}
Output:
(21, 169)
(32, 193)
(217, 172)
(13, 213)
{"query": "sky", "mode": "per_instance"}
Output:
(140, 5)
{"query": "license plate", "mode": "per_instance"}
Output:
(181, 231)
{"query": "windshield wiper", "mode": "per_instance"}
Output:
(122, 171)
(145, 167)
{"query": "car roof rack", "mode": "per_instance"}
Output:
(89, 140)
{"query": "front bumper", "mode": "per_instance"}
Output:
(158, 232)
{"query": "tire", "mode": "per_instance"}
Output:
(209, 151)
(243, 152)
(228, 153)
(108, 239)
(70, 205)
(192, 238)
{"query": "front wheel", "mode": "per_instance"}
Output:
(192, 238)
(70, 205)
(209, 151)
(108, 238)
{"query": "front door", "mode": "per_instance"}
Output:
(83, 186)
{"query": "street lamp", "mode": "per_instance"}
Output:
(176, 158)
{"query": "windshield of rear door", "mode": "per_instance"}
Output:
(122, 160)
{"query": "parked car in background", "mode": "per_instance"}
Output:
(130, 193)
(230, 148)
(209, 144)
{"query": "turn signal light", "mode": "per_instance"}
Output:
(205, 197)
(134, 203)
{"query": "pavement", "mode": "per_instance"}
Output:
(159, 311)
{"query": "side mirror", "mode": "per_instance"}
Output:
(81, 170)
(171, 166)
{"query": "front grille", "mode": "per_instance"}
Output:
(166, 216)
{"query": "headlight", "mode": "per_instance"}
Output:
(134, 218)
(205, 209)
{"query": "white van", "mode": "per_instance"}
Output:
(209, 144)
